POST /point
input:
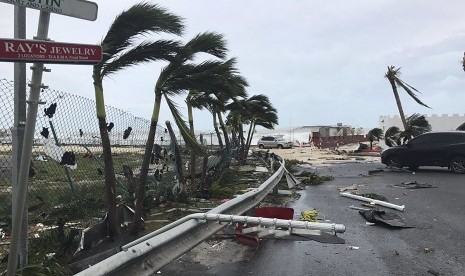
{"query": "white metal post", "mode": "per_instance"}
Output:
(18, 128)
(33, 102)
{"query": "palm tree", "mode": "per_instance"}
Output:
(121, 51)
(416, 125)
(256, 110)
(262, 113)
(393, 75)
(374, 134)
(174, 79)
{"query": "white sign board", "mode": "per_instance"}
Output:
(75, 8)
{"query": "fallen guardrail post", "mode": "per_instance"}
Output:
(378, 202)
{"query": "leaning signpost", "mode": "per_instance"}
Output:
(41, 51)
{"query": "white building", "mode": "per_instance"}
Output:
(442, 122)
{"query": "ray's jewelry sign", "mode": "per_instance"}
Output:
(49, 52)
(74, 8)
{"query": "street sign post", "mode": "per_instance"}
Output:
(49, 52)
(75, 8)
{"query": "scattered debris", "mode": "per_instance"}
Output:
(374, 196)
(378, 202)
(348, 188)
(261, 169)
(413, 185)
(310, 215)
(384, 218)
(358, 208)
(428, 250)
(433, 272)
(375, 171)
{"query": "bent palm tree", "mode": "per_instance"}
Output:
(120, 52)
(374, 134)
(175, 79)
(262, 113)
(416, 125)
(393, 75)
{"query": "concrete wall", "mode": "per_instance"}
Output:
(442, 122)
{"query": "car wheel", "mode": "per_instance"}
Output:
(457, 164)
(261, 146)
(280, 146)
(394, 161)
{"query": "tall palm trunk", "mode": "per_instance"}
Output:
(234, 138)
(225, 132)
(218, 135)
(251, 136)
(177, 155)
(109, 171)
(144, 170)
(399, 104)
(204, 165)
(193, 159)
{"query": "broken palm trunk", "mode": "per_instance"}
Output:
(377, 202)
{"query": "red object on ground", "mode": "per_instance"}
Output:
(264, 212)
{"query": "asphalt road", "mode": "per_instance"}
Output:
(436, 245)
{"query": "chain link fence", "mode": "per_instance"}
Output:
(71, 188)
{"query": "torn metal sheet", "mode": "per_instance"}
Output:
(384, 218)
(291, 180)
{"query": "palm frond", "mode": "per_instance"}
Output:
(409, 91)
(144, 52)
(140, 19)
(375, 134)
(416, 125)
(461, 127)
(209, 43)
(183, 128)
(392, 136)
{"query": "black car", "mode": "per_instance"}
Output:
(443, 149)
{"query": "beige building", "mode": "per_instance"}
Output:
(442, 122)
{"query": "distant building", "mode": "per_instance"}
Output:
(443, 122)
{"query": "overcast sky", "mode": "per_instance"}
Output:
(320, 62)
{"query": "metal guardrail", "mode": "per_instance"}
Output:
(148, 254)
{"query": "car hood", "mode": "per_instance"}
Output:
(394, 149)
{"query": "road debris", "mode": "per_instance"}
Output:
(353, 247)
(359, 208)
(309, 215)
(433, 272)
(352, 187)
(384, 218)
(377, 202)
(413, 185)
